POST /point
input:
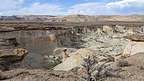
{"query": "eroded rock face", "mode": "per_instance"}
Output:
(39, 75)
(10, 53)
(7, 59)
(103, 41)
(132, 69)
(8, 42)
(135, 37)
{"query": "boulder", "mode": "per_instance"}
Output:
(76, 59)
(61, 52)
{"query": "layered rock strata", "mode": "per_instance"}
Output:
(9, 53)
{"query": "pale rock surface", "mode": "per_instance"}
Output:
(75, 60)
(108, 30)
(134, 47)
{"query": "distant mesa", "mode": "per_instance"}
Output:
(73, 18)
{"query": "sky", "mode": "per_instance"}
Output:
(69, 7)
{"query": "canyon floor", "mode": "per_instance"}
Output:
(71, 51)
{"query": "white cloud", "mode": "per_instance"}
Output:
(127, 6)
(126, 3)
(14, 7)
(86, 0)
(1, 13)
(41, 9)
(90, 9)
(21, 1)
(111, 8)
(10, 4)
(37, 9)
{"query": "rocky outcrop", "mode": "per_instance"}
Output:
(129, 69)
(10, 53)
(135, 45)
(11, 56)
(135, 37)
(133, 48)
(75, 60)
(39, 75)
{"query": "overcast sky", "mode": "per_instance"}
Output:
(68, 7)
